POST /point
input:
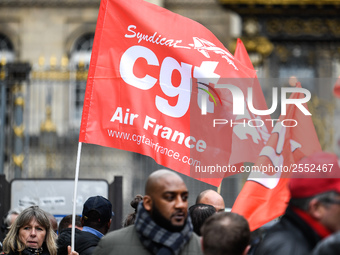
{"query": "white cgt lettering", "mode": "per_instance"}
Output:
(181, 92)
(169, 65)
(126, 67)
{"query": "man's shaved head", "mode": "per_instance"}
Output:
(211, 197)
(159, 178)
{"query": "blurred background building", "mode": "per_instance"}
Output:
(45, 49)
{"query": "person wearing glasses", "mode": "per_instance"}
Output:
(313, 212)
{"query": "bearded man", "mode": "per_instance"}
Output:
(162, 225)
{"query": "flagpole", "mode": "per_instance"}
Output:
(75, 196)
(219, 188)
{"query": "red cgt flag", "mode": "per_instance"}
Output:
(247, 142)
(143, 87)
(264, 197)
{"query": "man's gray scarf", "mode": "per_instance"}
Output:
(157, 239)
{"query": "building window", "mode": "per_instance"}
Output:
(6, 49)
(80, 61)
(81, 51)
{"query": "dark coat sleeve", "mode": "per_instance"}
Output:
(328, 246)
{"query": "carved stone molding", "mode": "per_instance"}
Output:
(284, 7)
(297, 27)
(50, 3)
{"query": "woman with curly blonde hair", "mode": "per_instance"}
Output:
(31, 234)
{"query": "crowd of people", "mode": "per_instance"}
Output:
(163, 223)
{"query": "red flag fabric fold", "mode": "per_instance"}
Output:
(336, 89)
(264, 196)
(242, 55)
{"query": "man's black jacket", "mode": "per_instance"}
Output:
(291, 235)
(85, 242)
